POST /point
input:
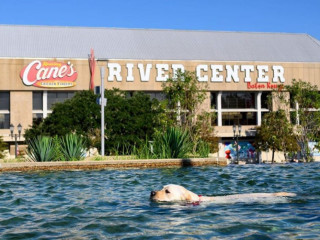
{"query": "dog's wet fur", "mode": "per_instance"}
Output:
(175, 193)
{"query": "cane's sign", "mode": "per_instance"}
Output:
(49, 74)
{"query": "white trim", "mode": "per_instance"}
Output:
(45, 103)
(239, 110)
(258, 106)
(219, 115)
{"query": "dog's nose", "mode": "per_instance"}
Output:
(152, 193)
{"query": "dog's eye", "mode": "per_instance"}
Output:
(167, 191)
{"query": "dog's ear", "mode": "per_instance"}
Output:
(190, 196)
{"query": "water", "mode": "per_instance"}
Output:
(114, 204)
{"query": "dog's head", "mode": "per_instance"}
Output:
(172, 193)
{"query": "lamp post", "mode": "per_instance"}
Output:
(102, 71)
(16, 136)
(237, 135)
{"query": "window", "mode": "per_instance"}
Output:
(58, 97)
(213, 100)
(5, 101)
(160, 96)
(4, 110)
(243, 118)
(264, 99)
(43, 101)
(235, 100)
(37, 101)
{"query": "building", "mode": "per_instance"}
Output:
(41, 65)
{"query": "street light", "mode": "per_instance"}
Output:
(237, 137)
(16, 136)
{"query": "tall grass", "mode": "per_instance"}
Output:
(72, 147)
(41, 149)
(144, 150)
(173, 143)
(203, 149)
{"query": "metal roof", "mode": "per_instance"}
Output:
(149, 44)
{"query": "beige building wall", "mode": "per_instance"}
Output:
(21, 95)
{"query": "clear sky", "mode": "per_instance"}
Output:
(292, 16)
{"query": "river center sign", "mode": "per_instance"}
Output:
(205, 73)
(49, 74)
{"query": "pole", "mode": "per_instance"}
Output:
(102, 109)
(237, 137)
(16, 145)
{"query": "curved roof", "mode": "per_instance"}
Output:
(111, 43)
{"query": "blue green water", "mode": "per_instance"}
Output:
(114, 204)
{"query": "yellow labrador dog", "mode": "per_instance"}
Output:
(172, 193)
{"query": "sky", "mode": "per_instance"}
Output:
(289, 16)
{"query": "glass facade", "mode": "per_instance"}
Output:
(5, 101)
(37, 101)
(234, 100)
(58, 97)
(213, 100)
(4, 121)
(4, 110)
(160, 96)
(235, 118)
(265, 99)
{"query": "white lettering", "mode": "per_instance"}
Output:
(44, 72)
(278, 72)
(114, 71)
(72, 71)
(262, 70)
(216, 77)
(130, 77)
(232, 73)
(144, 74)
(161, 76)
(25, 79)
(53, 72)
(62, 71)
(202, 78)
(247, 69)
(176, 68)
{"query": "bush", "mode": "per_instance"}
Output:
(3, 146)
(203, 149)
(41, 149)
(174, 143)
(72, 147)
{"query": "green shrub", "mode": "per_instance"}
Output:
(174, 143)
(41, 149)
(72, 147)
(3, 146)
(144, 150)
(203, 149)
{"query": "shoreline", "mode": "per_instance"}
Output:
(106, 164)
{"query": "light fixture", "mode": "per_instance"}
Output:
(19, 129)
(11, 130)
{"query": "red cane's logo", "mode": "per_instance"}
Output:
(48, 74)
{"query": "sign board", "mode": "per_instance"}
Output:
(49, 74)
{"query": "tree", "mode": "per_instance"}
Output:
(276, 133)
(128, 120)
(185, 94)
(307, 97)
(80, 115)
(304, 101)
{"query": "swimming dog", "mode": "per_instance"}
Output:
(172, 193)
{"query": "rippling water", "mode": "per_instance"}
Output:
(115, 204)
